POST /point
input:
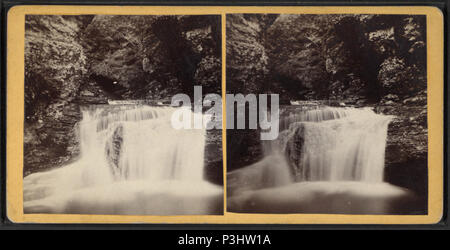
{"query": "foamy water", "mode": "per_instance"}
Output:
(325, 197)
(132, 162)
(326, 160)
(337, 144)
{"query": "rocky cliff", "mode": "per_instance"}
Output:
(247, 66)
(55, 65)
(154, 56)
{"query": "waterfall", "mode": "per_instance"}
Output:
(335, 157)
(333, 144)
(139, 143)
(132, 149)
(321, 144)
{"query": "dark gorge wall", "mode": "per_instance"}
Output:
(343, 57)
(154, 56)
(347, 57)
(71, 61)
(55, 66)
(361, 60)
(247, 59)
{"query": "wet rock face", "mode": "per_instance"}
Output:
(52, 140)
(294, 147)
(213, 162)
(244, 148)
(407, 143)
(58, 79)
(55, 63)
(113, 150)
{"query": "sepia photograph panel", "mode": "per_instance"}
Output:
(352, 116)
(98, 137)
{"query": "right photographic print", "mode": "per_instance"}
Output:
(345, 100)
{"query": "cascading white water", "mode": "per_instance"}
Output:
(141, 144)
(134, 150)
(334, 144)
(335, 157)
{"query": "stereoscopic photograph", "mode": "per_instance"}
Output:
(347, 101)
(98, 129)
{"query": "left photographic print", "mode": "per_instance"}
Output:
(98, 126)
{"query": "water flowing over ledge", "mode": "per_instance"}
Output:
(132, 162)
(326, 160)
(337, 144)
